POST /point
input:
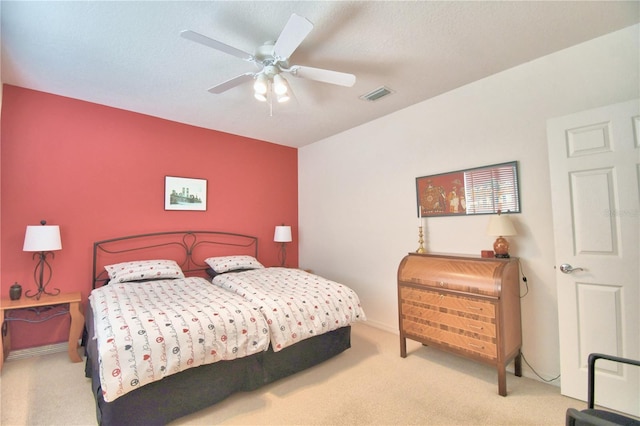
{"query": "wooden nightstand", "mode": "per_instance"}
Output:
(75, 311)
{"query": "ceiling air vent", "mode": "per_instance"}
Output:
(376, 94)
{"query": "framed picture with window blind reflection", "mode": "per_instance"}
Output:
(481, 190)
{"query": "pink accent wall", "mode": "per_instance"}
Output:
(98, 173)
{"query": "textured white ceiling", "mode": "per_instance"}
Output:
(129, 54)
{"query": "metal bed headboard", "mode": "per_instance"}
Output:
(183, 246)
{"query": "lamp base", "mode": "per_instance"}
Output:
(38, 275)
(282, 255)
(40, 292)
(501, 247)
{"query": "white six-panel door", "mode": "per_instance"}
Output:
(594, 159)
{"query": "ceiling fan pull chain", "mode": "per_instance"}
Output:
(270, 103)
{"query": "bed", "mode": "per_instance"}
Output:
(229, 327)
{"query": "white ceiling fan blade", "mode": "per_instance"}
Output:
(325, 76)
(199, 38)
(229, 84)
(292, 35)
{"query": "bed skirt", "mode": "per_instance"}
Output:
(194, 389)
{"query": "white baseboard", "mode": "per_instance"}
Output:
(38, 350)
(381, 326)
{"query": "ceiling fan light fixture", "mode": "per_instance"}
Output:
(261, 85)
(272, 59)
(280, 85)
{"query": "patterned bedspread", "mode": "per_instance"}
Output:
(297, 304)
(148, 330)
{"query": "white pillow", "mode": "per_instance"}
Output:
(232, 263)
(144, 270)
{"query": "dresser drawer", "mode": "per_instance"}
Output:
(476, 325)
(430, 333)
(459, 303)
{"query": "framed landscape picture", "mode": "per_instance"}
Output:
(182, 193)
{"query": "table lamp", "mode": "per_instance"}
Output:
(500, 226)
(282, 236)
(42, 240)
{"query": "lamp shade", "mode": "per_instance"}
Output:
(282, 234)
(500, 226)
(280, 85)
(42, 238)
(283, 98)
(261, 84)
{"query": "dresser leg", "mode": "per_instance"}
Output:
(403, 347)
(517, 364)
(502, 380)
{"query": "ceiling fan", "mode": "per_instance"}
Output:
(272, 60)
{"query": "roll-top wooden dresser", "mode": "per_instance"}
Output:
(466, 305)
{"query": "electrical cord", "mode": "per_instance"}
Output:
(536, 373)
(526, 285)
(524, 280)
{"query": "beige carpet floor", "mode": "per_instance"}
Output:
(367, 385)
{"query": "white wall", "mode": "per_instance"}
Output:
(357, 189)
